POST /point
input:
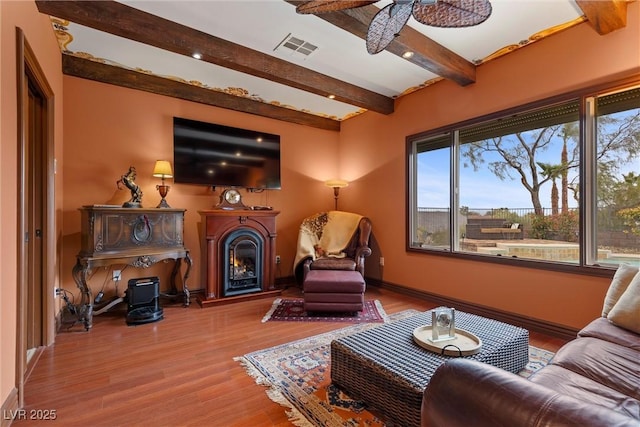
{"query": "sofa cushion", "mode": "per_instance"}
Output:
(611, 365)
(626, 312)
(467, 393)
(334, 264)
(568, 383)
(603, 329)
(621, 279)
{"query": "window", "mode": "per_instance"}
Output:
(432, 222)
(558, 183)
(616, 134)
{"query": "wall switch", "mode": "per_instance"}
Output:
(117, 275)
(277, 259)
(381, 261)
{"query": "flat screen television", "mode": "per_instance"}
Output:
(223, 156)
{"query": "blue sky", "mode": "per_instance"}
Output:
(479, 189)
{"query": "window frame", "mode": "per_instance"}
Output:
(586, 98)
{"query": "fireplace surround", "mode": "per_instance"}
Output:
(238, 255)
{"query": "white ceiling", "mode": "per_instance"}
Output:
(263, 24)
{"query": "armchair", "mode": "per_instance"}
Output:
(332, 240)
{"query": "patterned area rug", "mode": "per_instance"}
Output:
(297, 375)
(291, 309)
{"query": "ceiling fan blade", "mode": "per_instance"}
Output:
(452, 13)
(324, 6)
(386, 25)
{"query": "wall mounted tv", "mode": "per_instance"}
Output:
(223, 156)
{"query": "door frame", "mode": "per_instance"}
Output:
(29, 71)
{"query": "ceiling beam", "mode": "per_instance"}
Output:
(426, 53)
(605, 16)
(124, 21)
(104, 73)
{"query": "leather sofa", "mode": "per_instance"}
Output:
(593, 380)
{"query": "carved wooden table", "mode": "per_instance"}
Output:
(132, 236)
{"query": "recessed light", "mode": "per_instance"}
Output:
(197, 55)
(407, 55)
(331, 97)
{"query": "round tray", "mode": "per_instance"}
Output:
(464, 344)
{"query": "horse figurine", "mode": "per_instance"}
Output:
(128, 180)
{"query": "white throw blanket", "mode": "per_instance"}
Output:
(325, 234)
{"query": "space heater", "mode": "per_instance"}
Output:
(143, 301)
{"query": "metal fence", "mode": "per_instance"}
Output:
(437, 219)
(432, 226)
(433, 219)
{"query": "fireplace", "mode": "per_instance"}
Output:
(238, 255)
(243, 258)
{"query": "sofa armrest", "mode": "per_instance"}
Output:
(465, 393)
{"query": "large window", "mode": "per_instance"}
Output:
(559, 183)
(615, 131)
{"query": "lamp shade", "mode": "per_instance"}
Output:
(162, 169)
(336, 183)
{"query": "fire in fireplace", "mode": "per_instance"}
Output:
(243, 258)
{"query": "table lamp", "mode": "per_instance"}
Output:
(162, 169)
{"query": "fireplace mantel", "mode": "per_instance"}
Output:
(217, 224)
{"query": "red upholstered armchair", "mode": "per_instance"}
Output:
(345, 237)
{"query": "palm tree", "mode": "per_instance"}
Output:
(552, 172)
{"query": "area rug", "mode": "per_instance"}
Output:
(297, 375)
(292, 309)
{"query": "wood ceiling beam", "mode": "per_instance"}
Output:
(124, 21)
(104, 73)
(426, 53)
(605, 16)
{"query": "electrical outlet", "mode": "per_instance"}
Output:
(381, 261)
(277, 259)
(117, 275)
(57, 292)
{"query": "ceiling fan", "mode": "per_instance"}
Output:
(388, 22)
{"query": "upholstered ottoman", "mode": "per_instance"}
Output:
(333, 290)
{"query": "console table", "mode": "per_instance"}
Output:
(132, 236)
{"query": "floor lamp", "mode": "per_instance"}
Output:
(336, 184)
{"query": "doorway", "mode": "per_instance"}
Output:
(36, 225)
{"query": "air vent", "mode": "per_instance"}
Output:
(296, 46)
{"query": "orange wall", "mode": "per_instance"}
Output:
(39, 35)
(372, 152)
(109, 128)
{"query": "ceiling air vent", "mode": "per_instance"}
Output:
(296, 46)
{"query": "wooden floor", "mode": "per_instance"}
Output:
(178, 371)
